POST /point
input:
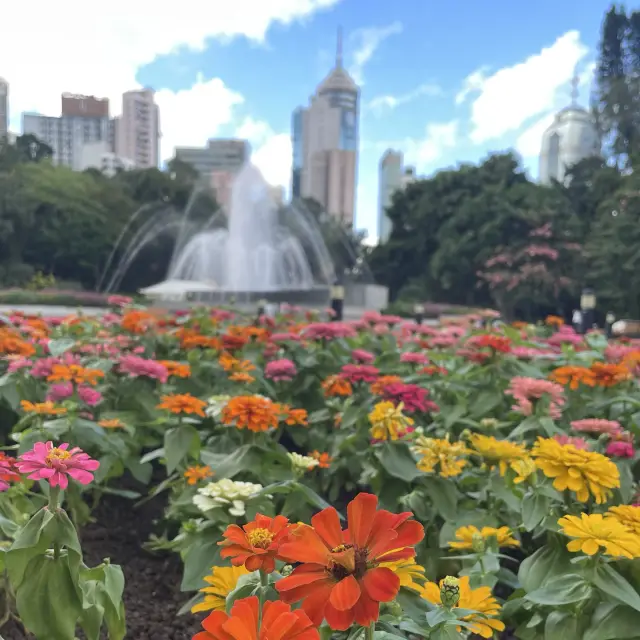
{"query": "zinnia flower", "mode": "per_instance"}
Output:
(324, 459)
(628, 515)
(277, 622)
(336, 386)
(256, 545)
(620, 449)
(470, 537)
(597, 425)
(449, 458)
(251, 412)
(360, 372)
(495, 452)
(411, 574)
(480, 600)
(222, 581)
(302, 463)
(280, 370)
(388, 422)
(583, 472)
(226, 493)
(54, 464)
(524, 390)
(42, 408)
(182, 403)
(592, 531)
(194, 474)
(340, 578)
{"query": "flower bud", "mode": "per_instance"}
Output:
(393, 608)
(286, 570)
(450, 592)
(465, 435)
(478, 542)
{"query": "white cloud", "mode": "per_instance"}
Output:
(439, 138)
(513, 95)
(368, 40)
(383, 104)
(100, 55)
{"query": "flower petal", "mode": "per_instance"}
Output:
(381, 584)
(345, 594)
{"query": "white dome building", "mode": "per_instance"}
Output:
(572, 137)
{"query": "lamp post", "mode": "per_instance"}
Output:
(587, 307)
(337, 300)
(418, 313)
(608, 326)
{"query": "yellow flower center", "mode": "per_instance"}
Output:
(340, 548)
(57, 455)
(260, 538)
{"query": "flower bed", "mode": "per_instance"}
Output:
(315, 478)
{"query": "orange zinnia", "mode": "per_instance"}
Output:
(384, 381)
(194, 474)
(573, 376)
(294, 417)
(241, 376)
(177, 369)
(336, 386)
(42, 408)
(251, 412)
(113, 423)
(12, 344)
(608, 375)
(182, 403)
(340, 579)
(75, 373)
(138, 321)
(277, 622)
(324, 459)
(256, 544)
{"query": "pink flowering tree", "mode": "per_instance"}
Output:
(55, 591)
(530, 271)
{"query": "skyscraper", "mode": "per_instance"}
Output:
(137, 131)
(325, 143)
(392, 176)
(4, 107)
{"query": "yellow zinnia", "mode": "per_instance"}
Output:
(583, 472)
(388, 422)
(524, 469)
(496, 452)
(592, 531)
(480, 600)
(223, 581)
(448, 457)
(411, 574)
(470, 537)
(628, 515)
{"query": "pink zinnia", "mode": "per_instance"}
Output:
(136, 366)
(46, 462)
(285, 337)
(620, 449)
(360, 373)
(89, 395)
(328, 330)
(524, 390)
(119, 301)
(60, 391)
(280, 370)
(413, 397)
(413, 357)
(597, 425)
(360, 355)
(578, 443)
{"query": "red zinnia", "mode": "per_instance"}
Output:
(256, 544)
(278, 622)
(339, 578)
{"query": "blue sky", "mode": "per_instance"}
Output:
(442, 81)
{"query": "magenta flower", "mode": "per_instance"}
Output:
(620, 449)
(360, 373)
(280, 370)
(362, 356)
(60, 391)
(597, 425)
(54, 464)
(136, 367)
(89, 395)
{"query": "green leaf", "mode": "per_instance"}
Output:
(565, 589)
(561, 625)
(613, 622)
(60, 346)
(48, 601)
(537, 569)
(485, 403)
(198, 559)
(535, 507)
(611, 583)
(397, 461)
(245, 587)
(444, 495)
(178, 443)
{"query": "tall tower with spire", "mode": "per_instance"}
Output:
(325, 143)
(571, 137)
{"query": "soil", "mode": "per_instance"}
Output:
(152, 595)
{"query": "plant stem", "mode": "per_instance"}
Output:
(264, 585)
(370, 631)
(54, 497)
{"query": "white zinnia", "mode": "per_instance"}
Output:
(226, 492)
(302, 463)
(216, 405)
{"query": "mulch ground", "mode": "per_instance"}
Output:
(152, 595)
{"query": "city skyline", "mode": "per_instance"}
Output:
(239, 71)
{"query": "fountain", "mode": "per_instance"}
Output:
(257, 254)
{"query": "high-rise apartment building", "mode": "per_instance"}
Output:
(4, 108)
(220, 155)
(392, 177)
(325, 144)
(137, 131)
(84, 120)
